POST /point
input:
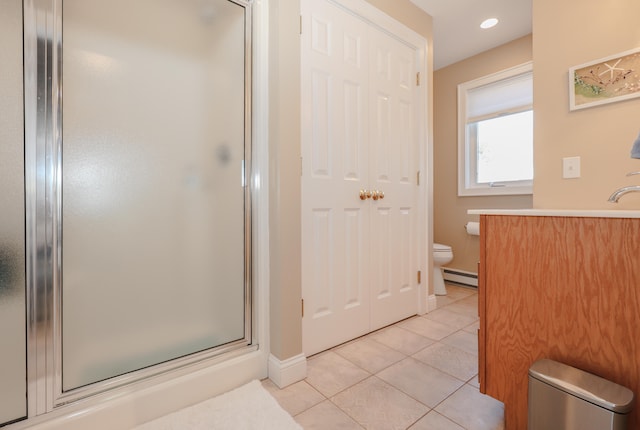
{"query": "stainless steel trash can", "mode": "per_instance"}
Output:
(562, 397)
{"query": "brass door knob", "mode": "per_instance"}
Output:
(381, 194)
(375, 195)
(364, 194)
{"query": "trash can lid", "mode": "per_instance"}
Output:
(587, 386)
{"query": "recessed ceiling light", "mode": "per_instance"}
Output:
(488, 23)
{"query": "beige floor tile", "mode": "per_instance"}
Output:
(454, 361)
(457, 292)
(374, 404)
(422, 382)
(296, 397)
(473, 328)
(450, 318)
(473, 410)
(463, 340)
(435, 421)
(452, 295)
(427, 328)
(473, 299)
(442, 301)
(474, 382)
(326, 416)
(464, 307)
(330, 373)
(405, 341)
(372, 356)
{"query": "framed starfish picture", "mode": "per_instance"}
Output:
(607, 80)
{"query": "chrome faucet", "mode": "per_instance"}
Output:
(613, 198)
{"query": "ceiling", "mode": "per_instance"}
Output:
(456, 26)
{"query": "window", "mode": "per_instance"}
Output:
(495, 133)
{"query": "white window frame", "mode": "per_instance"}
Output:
(467, 145)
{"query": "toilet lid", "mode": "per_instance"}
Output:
(438, 247)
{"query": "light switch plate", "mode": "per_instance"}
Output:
(571, 167)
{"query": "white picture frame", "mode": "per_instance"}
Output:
(607, 80)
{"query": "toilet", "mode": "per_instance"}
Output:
(442, 254)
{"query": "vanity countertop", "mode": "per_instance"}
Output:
(559, 213)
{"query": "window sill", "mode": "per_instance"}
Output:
(494, 191)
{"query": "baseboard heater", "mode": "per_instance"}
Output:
(460, 277)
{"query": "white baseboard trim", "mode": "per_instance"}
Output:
(289, 371)
(460, 276)
(431, 303)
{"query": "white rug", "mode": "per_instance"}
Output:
(249, 407)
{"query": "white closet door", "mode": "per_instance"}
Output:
(359, 257)
(335, 222)
(393, 167)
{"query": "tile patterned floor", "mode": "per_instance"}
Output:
(419, 374)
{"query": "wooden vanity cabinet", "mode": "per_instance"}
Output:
(558, 287)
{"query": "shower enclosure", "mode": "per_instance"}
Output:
(130, 212)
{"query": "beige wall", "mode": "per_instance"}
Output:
(284, 176)
(284, 149)
(569, 33)
(407, 13)
(450, 211)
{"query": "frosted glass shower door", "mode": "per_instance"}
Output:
(154, 213)
(13, 388)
